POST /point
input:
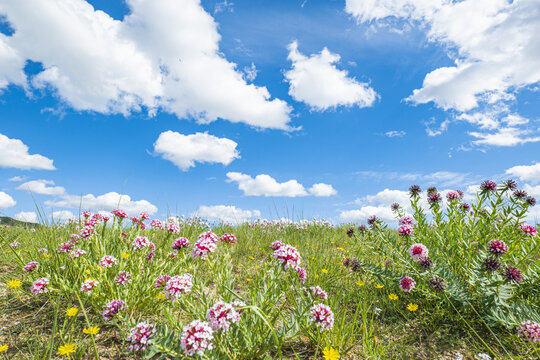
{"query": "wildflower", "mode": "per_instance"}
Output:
(161, 281)
(302, 274)
(92, 330)
(529, 330)
(482, 356)
(324, 271)
(346, 262)
(88, 286)
(203, 246)
(330, 353)
(531, 201)
(513, 274)
(491, 264)
(379, 286)
(228, 239)
(64, 247)
(3, 348)
(425, 263)
(121, 214)
(67, 349)
(412, 307)
(377, 311)
(322, 316)
(393, 297)
(288, 255)
(123, 278)
(405, 230)
(437, 283)
(77, 253)
(414, 190)
(72, 311)
(125, 255)
(15, 244)
(87, 231)
(464, 207)
(112, 308)
(141, 336)
(108, 261)
(180, 243)
(39, 286)
(317, 292)
(362, 228)
(453, 196)
(209, 235)
(432, 190)
(222, 315)
(418, 251)
(156, 224)
(529, 230)
(395, 207)
(31, 266)
(196, 338)
(407, 284)
(497, 247)
(488, 186)
(520, 194)
(160, 297)
(173, 228)
(406, 220)
(141, 242)
(14, 284)
(372, 220)
(144, 216)
(177, 285)
(434, 198)
(355, 265)
(350, 232)
(360, 283)
(276, 245)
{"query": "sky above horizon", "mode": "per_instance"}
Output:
(238, 110)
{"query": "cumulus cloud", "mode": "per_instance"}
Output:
(265, 185)
(164, 55)
(27, 216)
(62, 215)
(14, 153)
(106, 202)
(17, 178)
(360, 215)
(317, 81)
(227, 214)
(185, 150)
(6, 200)
(322, 190)
(41, 187)
(526, 172)
(494, 46)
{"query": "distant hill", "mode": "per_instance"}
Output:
(6, 220)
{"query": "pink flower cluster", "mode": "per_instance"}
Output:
(406, 220)
(39, 286)
(418, 251)
(141, 242)
(276, 245)
(144, 216)
(77, 253)
(141, 336)
(317, 292)
(405, 230)
(177, 285)
(223, 314)
(228, 239)
(497, 247)
(112, 308)
(15, 244)
(162, 281)
(322, 316)
(180, 243)
(205, 244)
(123, 278)
(64, 247)
(454, 195)
(196, 338)
(407, 284)
(87, 231)
(529, 230)
(156, 224)
(108, 261)
(302, 274)
(86, 214)
(119, 213)
(88, 286)
(31, 266)
(173, 228)
(529, 330)
(288, 255)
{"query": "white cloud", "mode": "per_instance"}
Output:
(322, 190)
(62, 215)
(395, 133)
(507, 136)
(361, 215)
(250, 72)
(227, 214)
(185, 150)
(17, 178)
(28, 216)
(265, 185)
(106, 202)
(40, 187)
(6, 200)
(14, 153)
(317, 81)
(164, 55)
(526, 172)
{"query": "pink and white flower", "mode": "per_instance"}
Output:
(209, 236)
(228, 239)
(156, 224)
(173, 228)
(144, 216)
(203, 247)
(529, 330)
(418, 251)
(322, 316)
(141, 242)
(407, 284)
(276, 245)
(141, 336)
(40, 286)
(180, 243)
(64, 247)
(123, 278)
(196, 338)
(108, 261)
(31, 266)
(405, 230)
(88, 286)
(529, 230)
(288, 255)
(406, 220)
(302, 274)
(162, 281)
(177, 285)
(119, 213)
(317, 292)
(112, 308)
(77, 253)
(222, 315)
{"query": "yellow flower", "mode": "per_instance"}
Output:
(375, 338)
(160, 296)
(66, 349)
(393, 297)
(378, 286)
(313, 258)
(72, 311)
(412, 307)
(92, 330)
(3, 348)
(14, 283)
(46, 256)
(252, 258)
(316, 276)
(330, 353)
(125, 255)
(248, 279)
(87, 272)
(360, 283)
(324, 271)
(341, 249)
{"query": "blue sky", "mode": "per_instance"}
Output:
(434, 93)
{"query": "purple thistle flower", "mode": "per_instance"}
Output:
(488, 186)
(415, 190)
(513, 274)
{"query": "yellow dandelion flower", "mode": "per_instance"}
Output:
(341, 249)
(46, 256)
(160, 296)
(379, 286)
(324, 271)
(252, 258)
(92, 330)
(412, 307)
(393, 297)
(313, 258)
(125, 255)
(72, 311)
(87, 272)
(330, 353)
(3, 348)
(375, 338)
(316, 276)
(248, 279)
(14, 283)
(360, 283)
(67, 349)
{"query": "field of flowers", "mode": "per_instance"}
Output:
(455, 280)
